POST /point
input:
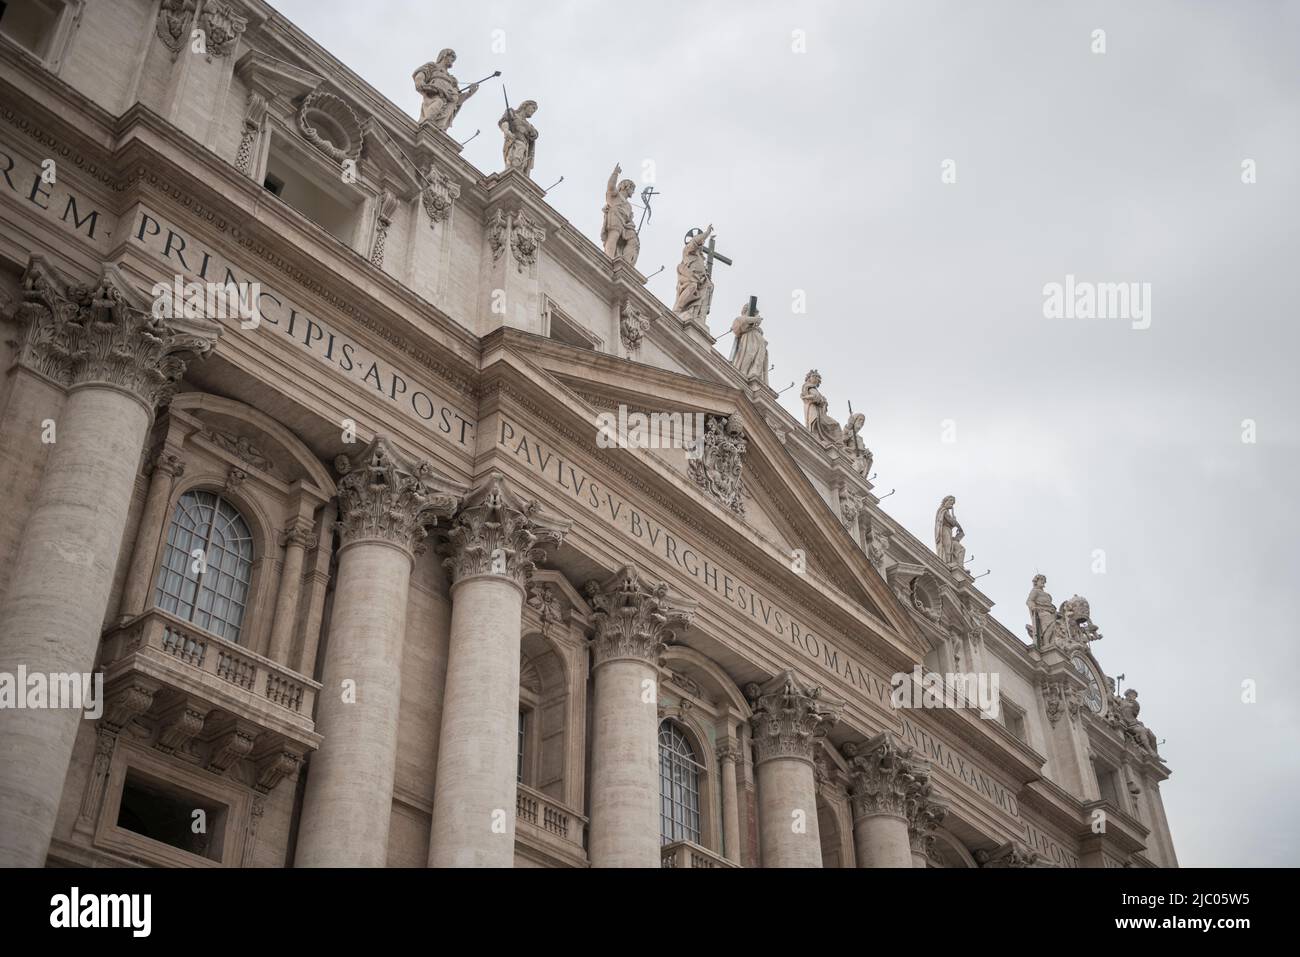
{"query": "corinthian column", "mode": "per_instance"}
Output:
(117, 361)
(925, 812)
(887, 784)
(385, 502)
(492, 549)
(788, 721)
(632, 621)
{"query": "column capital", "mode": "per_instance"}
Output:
(300, 532)
(632, 618)
(384, 496)
(729, 751)
(789, 718)
(925, 813)
(886, 777)
(106, 333)
(499, 532)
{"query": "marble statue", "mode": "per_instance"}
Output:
(443, 96)
(694, 286)
(1042, 613)
(855, 448)
(520, 148)
(749, 348)
(948, 534)
(618, 233)
(1135, 730)
(815, 417)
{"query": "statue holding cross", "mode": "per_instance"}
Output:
(695, 275)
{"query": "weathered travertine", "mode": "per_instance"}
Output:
(117, 361)
(385, 501)
(493, 548)
(788, 722)
(728, 756)
(632, 621)
(298, 537)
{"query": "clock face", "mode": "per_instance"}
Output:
(1093, 696)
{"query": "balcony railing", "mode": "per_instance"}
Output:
(688, 854)
(546, 823)
(232, 678)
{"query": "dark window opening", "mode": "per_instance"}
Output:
(169, 815)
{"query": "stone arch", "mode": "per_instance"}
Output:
(950, 850)
(702, 744)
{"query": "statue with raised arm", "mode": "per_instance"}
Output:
(1042, 613)
(749, 347)
(618, 233)
(694, 286)
(520, 148)
(442, 95)
(948, 534)
(815, 416)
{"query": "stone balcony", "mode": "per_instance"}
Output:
(688, 854)
(206, 699)
(547, 831)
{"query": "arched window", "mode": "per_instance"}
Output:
(206, 564)
(679, 787)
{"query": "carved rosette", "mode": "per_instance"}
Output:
(887, 777)
(386, 497)
(106, 333)
(632, 618)
(499, 533)
(789, 718)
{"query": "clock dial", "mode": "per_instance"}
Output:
(1093, 695)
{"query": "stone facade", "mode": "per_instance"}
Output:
(361, 584)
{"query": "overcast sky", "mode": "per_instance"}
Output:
(821, 171)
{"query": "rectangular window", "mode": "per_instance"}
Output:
(31, 23)
(1014, 719)
(334, 206)
(165, 812)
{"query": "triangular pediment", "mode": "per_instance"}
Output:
(779, 509)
